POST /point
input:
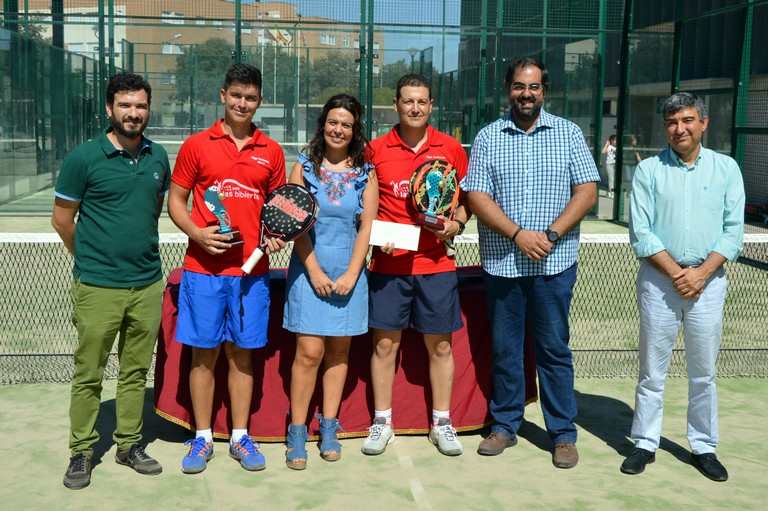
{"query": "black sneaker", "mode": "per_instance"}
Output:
(140, 461)
(78, 473)
(636, 462)
(708, 465)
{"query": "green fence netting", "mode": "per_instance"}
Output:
(37, 339)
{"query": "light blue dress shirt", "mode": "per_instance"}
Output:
(687, 211)
(530, 177)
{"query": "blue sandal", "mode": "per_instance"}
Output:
(330, 448)
(296, 455)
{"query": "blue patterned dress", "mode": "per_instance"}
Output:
(340, 197)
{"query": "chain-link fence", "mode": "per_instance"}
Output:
(609, 72)
(37, 339)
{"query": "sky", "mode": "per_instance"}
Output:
(389, 11)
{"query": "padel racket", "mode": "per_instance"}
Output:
(289, 212)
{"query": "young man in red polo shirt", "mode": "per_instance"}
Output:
(217, 304)
(413, 289)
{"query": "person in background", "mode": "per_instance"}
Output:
(631, 159)
(609, 150)
(636, 156)
(219, 307)
(687, 220)
(115, 185)
(327, 288)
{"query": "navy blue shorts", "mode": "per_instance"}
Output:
(427, 303)
(209, 310)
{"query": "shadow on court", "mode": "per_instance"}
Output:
(155, 428)
(610, 420)
(411, 474)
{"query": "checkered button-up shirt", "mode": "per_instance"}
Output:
(529, 175)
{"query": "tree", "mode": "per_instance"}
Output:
(650, 58)
(335, 73)
(582, 75)
(383, 95)
(391, 73)
(35, 28)
(200, 70)
(34, 31)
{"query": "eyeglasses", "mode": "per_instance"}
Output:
(534, 88)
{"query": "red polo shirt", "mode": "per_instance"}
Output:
(246, 177)
(395, 162)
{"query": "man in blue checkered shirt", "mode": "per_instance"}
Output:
(531, 180)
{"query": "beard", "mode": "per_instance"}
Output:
(531, 111)
(120, 128)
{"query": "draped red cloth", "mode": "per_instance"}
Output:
(411, 404)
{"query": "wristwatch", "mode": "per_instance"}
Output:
(552, 236)
(462, 226)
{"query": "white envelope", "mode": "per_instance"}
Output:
(403, 236)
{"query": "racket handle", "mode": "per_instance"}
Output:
(251, 262)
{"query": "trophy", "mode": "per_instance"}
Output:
(434, 190)
(214, 201)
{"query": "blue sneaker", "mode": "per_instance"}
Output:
(200, 452)
(247, 453)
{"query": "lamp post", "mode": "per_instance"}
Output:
(297, 75)
(412, 52)
(172, 48)
(192, 90)
(170, 44)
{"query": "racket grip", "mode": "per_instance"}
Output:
(251, 262)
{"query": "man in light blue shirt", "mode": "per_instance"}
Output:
(531, 180)
(687, 220)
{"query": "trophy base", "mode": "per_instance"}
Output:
(432, 221)
(234, 237)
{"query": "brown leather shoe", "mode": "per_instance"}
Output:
(566, 455)
(495, 444)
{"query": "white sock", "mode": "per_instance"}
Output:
(237, 434)
(387, 414)
(437, 415)
(205, 433)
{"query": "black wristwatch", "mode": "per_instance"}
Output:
(461, 226)
(552, 236)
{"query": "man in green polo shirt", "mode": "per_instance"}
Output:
(115, 186)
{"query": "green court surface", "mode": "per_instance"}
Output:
(411, 474)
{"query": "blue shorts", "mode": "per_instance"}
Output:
(427, 303)
(210, 305)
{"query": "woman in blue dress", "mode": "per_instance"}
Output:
(327, 288)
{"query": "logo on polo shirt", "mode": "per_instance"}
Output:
(400, 189)
(157, 176)
(234, 189)
(260, 160)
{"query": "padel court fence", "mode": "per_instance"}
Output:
(37, 339)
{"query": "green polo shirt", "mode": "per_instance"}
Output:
(116, 240)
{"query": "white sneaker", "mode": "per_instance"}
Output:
(380, 435)
(444, 437)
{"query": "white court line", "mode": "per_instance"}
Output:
(417, 489)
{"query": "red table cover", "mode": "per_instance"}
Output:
(411, 405)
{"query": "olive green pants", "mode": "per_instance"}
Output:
(100, 314)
